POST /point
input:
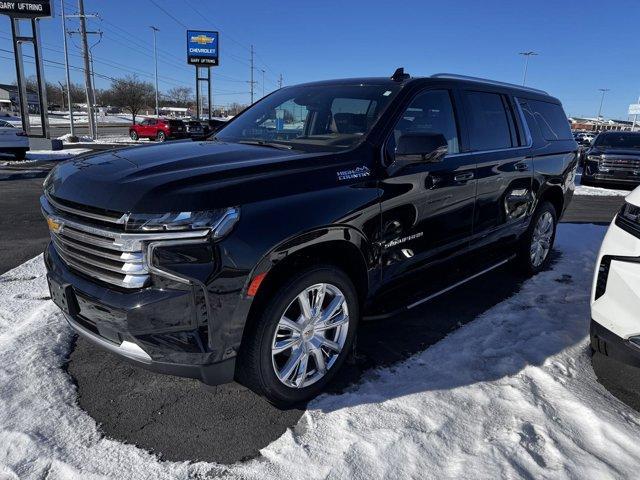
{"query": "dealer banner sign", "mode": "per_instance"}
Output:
(202, 48)
(32, 9)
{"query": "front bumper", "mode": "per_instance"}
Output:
(157, 328)
(594, 174)
(607, 343)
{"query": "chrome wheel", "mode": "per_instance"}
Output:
(541, 239)
(310, 335)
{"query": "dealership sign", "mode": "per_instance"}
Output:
(634, 109)
(202, 48)
(32, 9)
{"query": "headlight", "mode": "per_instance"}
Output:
(219, 221)
(630, 212)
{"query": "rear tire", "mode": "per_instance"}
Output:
(134, 135)
(537, 242)
(20, 154)
(310, 357)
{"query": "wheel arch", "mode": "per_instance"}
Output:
(344, 247)
(554, 195)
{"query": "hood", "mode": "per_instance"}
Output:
(614, 151)
(173, 176)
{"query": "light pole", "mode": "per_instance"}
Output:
(155, 56)
(603, 90)
(262, 82)
(526, 64)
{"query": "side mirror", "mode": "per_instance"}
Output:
(418, 148)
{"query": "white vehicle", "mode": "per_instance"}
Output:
(13, 140)
(615, 296)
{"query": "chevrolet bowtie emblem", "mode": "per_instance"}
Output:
(54, 226)
(202, 39)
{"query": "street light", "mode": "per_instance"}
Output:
(262, 81)
(603, 90)
(155, 56)
(526, 64)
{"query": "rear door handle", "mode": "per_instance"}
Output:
(463, 177)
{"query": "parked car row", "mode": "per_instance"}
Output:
(612, 158)
(161, 129)
(255, 256)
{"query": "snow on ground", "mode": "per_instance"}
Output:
(38, 156)
(509, 395)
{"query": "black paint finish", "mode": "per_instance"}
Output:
(384, 225)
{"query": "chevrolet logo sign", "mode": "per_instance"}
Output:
(202, 40)
(55, 227)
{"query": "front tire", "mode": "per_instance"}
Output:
(301, 338)
(161, 137)
(134, 135)
(537, 242)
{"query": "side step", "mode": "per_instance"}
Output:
(439, 292)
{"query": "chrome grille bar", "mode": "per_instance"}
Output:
(106, 254)
(83, 213)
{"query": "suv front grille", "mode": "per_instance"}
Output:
(93, 243)
(95, 250)
(623, 164)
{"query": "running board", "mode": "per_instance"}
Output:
(440, 292)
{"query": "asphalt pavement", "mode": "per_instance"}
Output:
(181, 419)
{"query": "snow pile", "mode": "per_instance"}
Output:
(598, 191)
(81, 138)
(510, 395)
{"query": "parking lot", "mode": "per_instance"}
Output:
(181, 419)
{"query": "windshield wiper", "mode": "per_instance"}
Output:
(262, 143)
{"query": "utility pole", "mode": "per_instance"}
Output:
(155, 56)
(262, 70)
(87, 68)
(66, 67)
(280, 81)
(603, 90)
(526, 64)
(635, 118)
(251, 82)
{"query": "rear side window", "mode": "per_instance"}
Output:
(551, 120)
(489, 124)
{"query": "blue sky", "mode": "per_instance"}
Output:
(583, 45)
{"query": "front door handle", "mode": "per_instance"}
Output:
(463, 177)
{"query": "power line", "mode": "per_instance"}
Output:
(169, 15)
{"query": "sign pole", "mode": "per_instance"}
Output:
(209, 90)
(197, 94)
(42, 88)
(20, 78)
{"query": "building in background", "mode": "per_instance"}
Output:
(10, 100)
(598, 125)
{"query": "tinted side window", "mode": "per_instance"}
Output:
(430, 112)
(551, 119)
(488, 121)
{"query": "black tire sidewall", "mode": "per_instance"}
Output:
(275, 391)
(133, 135)
(526, 244)
(161, 137)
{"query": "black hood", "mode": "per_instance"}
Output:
(172, 176)
(614, 151)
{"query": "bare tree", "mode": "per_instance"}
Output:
(180, 96)
(131, 94)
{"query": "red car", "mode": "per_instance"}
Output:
(159, 129)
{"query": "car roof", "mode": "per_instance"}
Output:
(462, 80)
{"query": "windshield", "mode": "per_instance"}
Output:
(312, 118)
(618, 140)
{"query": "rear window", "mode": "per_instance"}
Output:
(550, 117)
(489, 127)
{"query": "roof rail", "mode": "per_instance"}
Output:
(487, 81)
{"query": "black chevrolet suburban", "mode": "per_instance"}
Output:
(253, 255)
(613, 158)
